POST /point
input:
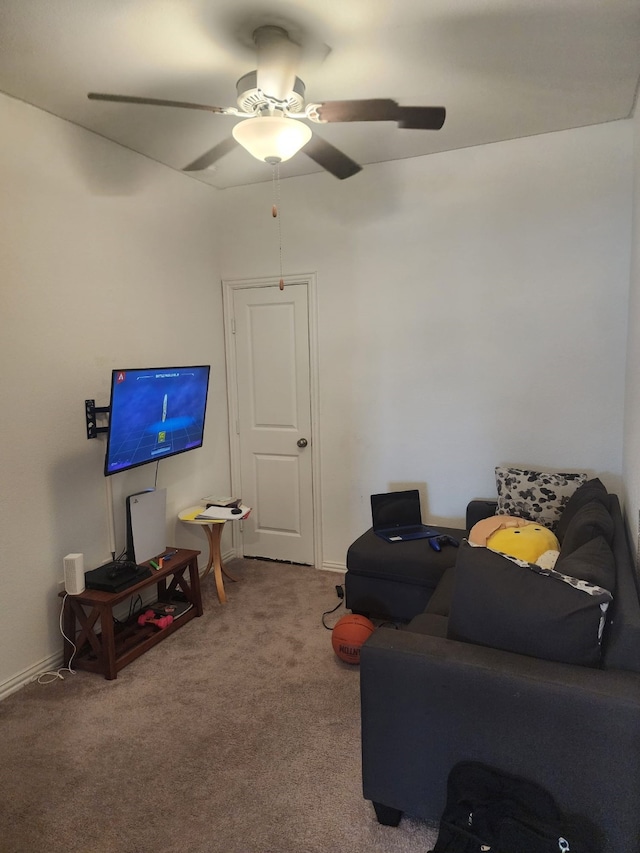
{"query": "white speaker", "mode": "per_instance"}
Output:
(74, 573)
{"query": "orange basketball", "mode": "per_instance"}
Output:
(348, 635)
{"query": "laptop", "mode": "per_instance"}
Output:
(397, 517)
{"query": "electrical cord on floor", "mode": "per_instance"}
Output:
(54, 675)
(340, 594)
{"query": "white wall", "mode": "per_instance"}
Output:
(632, 404)
(472, 312)
(108, 260)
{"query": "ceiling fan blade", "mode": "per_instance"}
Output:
(421, 118)
(383, 109)
(210, 156)
(132, 99)
(331, 158)
(376, 109)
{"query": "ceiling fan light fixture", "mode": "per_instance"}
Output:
(272, 139)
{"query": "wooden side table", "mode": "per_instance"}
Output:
(106, 651)
(213, 528)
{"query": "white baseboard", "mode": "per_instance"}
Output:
(327, 565)
(49, 664)
(330, 566)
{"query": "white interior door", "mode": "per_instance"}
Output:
(270, 335)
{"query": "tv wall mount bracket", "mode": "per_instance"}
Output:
(91, 411)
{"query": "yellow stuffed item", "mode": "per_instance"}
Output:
(526, 543)
(485, 528)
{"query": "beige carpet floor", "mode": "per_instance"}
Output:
(239, 734)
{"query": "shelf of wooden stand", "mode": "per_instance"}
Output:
(115, 645)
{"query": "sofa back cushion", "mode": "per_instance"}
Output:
(592, 490)
(589, 522)
(518, 607)
(622, 633)
(593, 562)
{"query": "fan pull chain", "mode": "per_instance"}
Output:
(274, 212)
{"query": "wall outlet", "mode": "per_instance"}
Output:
(60, 586)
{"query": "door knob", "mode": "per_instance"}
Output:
(302, 442)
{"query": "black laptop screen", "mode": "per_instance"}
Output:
(396, 509)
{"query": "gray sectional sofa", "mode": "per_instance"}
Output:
(555, 698)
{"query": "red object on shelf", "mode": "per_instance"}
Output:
(158, 621)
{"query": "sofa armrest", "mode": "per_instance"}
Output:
(430, 702)
(479, 509)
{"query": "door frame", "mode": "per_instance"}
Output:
(228, 288)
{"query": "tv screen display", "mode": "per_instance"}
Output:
(155, 413)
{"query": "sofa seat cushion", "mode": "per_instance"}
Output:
(413, 562)
(440, 602)
(518, 607)
(429, 623)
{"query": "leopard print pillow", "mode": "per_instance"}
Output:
(535, 495)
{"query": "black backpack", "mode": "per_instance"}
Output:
(489, 810)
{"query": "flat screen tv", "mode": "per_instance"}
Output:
(154, 413)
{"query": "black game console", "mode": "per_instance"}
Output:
(116, 576)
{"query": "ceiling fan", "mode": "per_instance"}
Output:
(272, 105)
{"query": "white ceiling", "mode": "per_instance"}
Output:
(502, 68)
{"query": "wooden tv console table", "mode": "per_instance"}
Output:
(116, 645)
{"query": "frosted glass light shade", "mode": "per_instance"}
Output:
(271, 138)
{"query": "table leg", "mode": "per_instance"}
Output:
(218, 553)
(108, 642)
(194, 577)
(214, 534)
(214, 550)
(86, 634)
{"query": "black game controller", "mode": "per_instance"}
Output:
(437, 542)
(120, 567)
